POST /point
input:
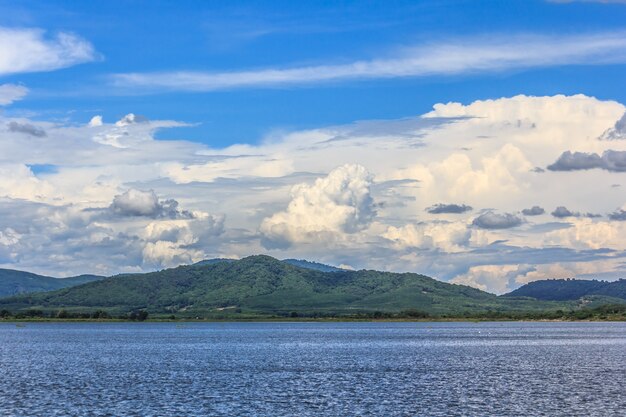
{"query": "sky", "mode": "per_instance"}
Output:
(481, 143)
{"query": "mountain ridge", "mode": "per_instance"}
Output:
(570, 289)
(261, 284)
(13, 282)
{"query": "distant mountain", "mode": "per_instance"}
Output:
(312, 265)
(264, 285)
(213, 261)
(19, 282)
(296, 262)
(570, 289)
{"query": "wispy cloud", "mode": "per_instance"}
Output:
(11, 92)
(483, 54)
(30, 50)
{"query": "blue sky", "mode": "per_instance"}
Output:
(149, 36)
(482, 143)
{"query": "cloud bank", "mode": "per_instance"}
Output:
(390, 195)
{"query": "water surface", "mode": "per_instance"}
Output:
(321, 369)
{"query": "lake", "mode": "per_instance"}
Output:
(313, 369)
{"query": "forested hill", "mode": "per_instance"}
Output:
(296, 262)
(18, 282)
(264, 285)
(570, 289)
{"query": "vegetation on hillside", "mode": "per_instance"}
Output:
(570, 289)
(18, 282)
(261, 285)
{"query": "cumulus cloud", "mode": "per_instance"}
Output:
(586, 233)
(82, 217)
(488, 53)
(129, 119)
(174, 242)
(563, 212)
(95, 121)
(447, 236)
(610, 160)
(619, 215)
(616, 132)
(18, 181)
(494, 278)
(569, 161)
(25, 128)
(11, 92)
(491, 220)
(533, 211)
(441, 208)
(30, 50)
(133, 203)
(339, 202)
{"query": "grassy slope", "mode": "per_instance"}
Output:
(261, 284)
(18, 282)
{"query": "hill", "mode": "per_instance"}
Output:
(263, 285)
(570, 289)
(312, 265)
(19, 282)
(296, 262)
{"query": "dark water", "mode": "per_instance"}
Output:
(321, 369)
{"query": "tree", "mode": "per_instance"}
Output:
(138, 315)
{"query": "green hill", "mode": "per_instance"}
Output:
(296, 262)
(312, 265)
(261, 285)
(570, 289)
(19, 282)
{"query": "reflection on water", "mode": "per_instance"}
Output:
(300, 369)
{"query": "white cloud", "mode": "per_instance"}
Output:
(174, 242)
(493, 278)
(30, 50)
(447, 236)
(18, 181)
(133, 203)
(168, 254)
(338, 203)
(488, 53)
(11, 92)
(589, 234)
(111, 196)
(95, 121)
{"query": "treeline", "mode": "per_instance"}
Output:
(604, 312)
(136, 315)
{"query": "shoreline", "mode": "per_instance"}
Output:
(313, 320)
